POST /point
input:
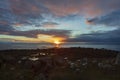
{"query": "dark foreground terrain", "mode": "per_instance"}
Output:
(60, 64)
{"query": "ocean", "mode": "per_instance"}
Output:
(5, 46)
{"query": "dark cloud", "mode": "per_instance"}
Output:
(5, 28)
(83, 7)
(25, 12)
(6, 15)
(111, 19)
(29, 12)
(34, 33)
(109, 36)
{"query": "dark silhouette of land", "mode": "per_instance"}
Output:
(73, 63)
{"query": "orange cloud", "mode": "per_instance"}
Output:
(49, 24)
(49, 38)
(18, 24)
(86, 8)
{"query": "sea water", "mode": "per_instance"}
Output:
(5, 46)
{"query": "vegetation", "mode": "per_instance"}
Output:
(59, 64)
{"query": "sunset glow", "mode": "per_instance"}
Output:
(66, 39)
(56, 21)
(57, 42)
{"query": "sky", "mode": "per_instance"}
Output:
(46, 21)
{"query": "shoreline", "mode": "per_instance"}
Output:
(61, 48)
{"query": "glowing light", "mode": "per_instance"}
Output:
(57, 42)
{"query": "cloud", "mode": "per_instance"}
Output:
(49, 24)
(108, 36)
(25, 12)
(6, 15)
(34, 33)
(5, 28)
(82, 7)
(111, 19)
(30, 12)
(33, 8)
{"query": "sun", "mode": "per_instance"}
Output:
(57, 42)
